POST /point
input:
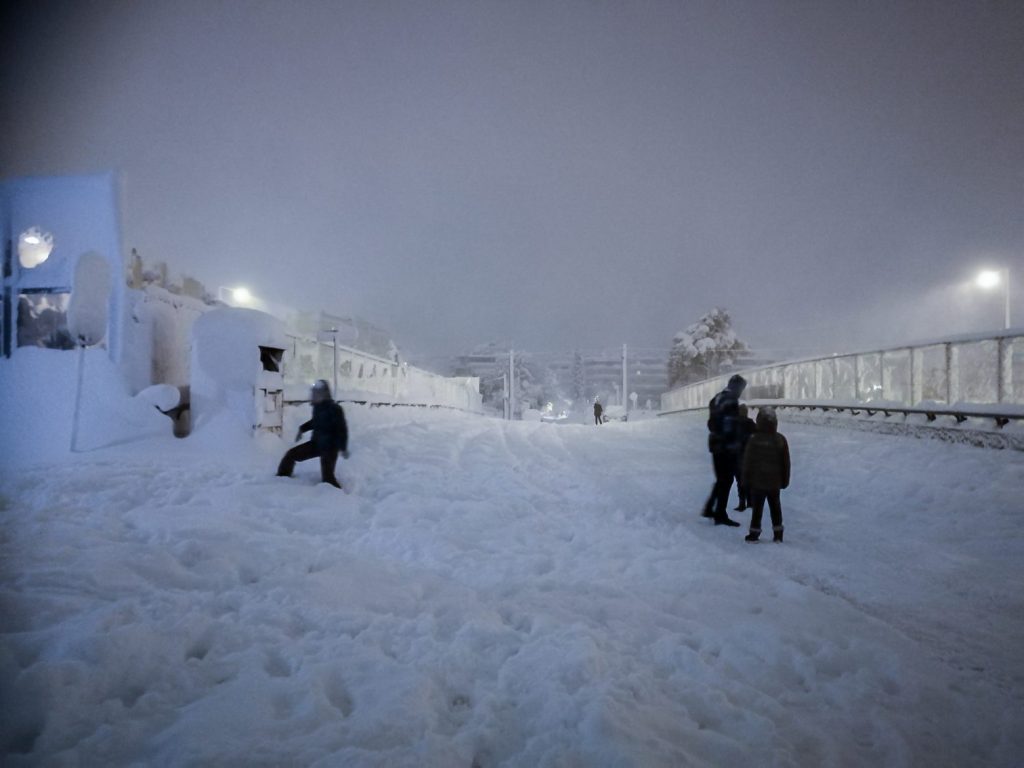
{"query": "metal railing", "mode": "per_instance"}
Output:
(951, 376)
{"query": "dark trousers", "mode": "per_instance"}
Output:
(725, 471)
(757, 499)
(328, 460)
(597, 418)
(740, 488)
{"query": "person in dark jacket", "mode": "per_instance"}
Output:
(330, 437)
(598, 410)
(724, 444)
(747, 428)
(766, 472)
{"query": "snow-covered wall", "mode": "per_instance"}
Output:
(362, 376)
(158, 336)
(983, 369)
(226, 369)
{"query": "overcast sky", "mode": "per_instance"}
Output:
(560, 174)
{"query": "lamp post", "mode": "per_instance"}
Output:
(240, 296)
(334, 340)
(989, 279)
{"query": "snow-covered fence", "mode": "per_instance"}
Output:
(963, 371)
(365, 377)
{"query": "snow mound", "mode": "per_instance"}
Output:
(37, 387)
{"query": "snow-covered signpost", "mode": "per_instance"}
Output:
(87, 317)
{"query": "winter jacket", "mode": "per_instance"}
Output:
(330, 432)
(723, 422)
(598, 409)
(766, 460)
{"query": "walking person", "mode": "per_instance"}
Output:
(766, 471)
(724, 445)
(330, 436)
(598, 410)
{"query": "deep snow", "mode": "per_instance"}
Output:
(490, 593)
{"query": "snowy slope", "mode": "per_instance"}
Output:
(518, 594)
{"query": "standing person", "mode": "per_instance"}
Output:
(598, 410)
(766, 472)
(724, 444)
(747, 428)
(330, 436)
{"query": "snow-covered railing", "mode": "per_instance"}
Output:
(364, 377)
(954, 375)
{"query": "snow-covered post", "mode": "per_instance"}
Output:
(87, 317)
(624, 390)
(511, 384)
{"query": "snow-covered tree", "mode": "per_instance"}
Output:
(704, 349)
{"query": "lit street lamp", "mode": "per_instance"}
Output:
(240, 296)
(989, 279)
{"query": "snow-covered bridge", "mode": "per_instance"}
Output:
(494, 593)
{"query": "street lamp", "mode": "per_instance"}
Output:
(989, 279)
(334, 340)
(236, 296)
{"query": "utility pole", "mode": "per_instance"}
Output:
(511, 384)
(506, 400)
(624, 390)
(1006, 274)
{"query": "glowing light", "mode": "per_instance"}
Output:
(34, 247)
(242, 295)
(988, 279)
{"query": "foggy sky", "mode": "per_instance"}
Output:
(557, 174)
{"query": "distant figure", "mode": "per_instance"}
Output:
(724, 444)
(746, 427)
(598, 410)
(766, 472)
(330, 436)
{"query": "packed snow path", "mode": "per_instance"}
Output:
(489, 594)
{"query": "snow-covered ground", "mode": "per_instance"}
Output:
(521, 594)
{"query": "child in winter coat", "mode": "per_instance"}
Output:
(766, 472)
(746, 428)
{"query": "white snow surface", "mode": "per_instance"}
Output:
(525, 594)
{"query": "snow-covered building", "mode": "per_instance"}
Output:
(48, 225)
(66, 285)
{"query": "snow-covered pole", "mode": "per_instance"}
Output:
(511, 384)
(624, 390)
(1007, 298)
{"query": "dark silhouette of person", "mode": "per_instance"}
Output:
(330, 437)
(598, 410)
(766, 469)
(724, 442)
(747, 428)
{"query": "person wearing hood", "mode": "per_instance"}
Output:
(724, 443)
(766, 472)
(598, 410)
(330, 436)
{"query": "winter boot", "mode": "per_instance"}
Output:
(752, 536)
(777, 531)
(726, 520)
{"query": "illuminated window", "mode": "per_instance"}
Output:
(43, 320)
(34, 247)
